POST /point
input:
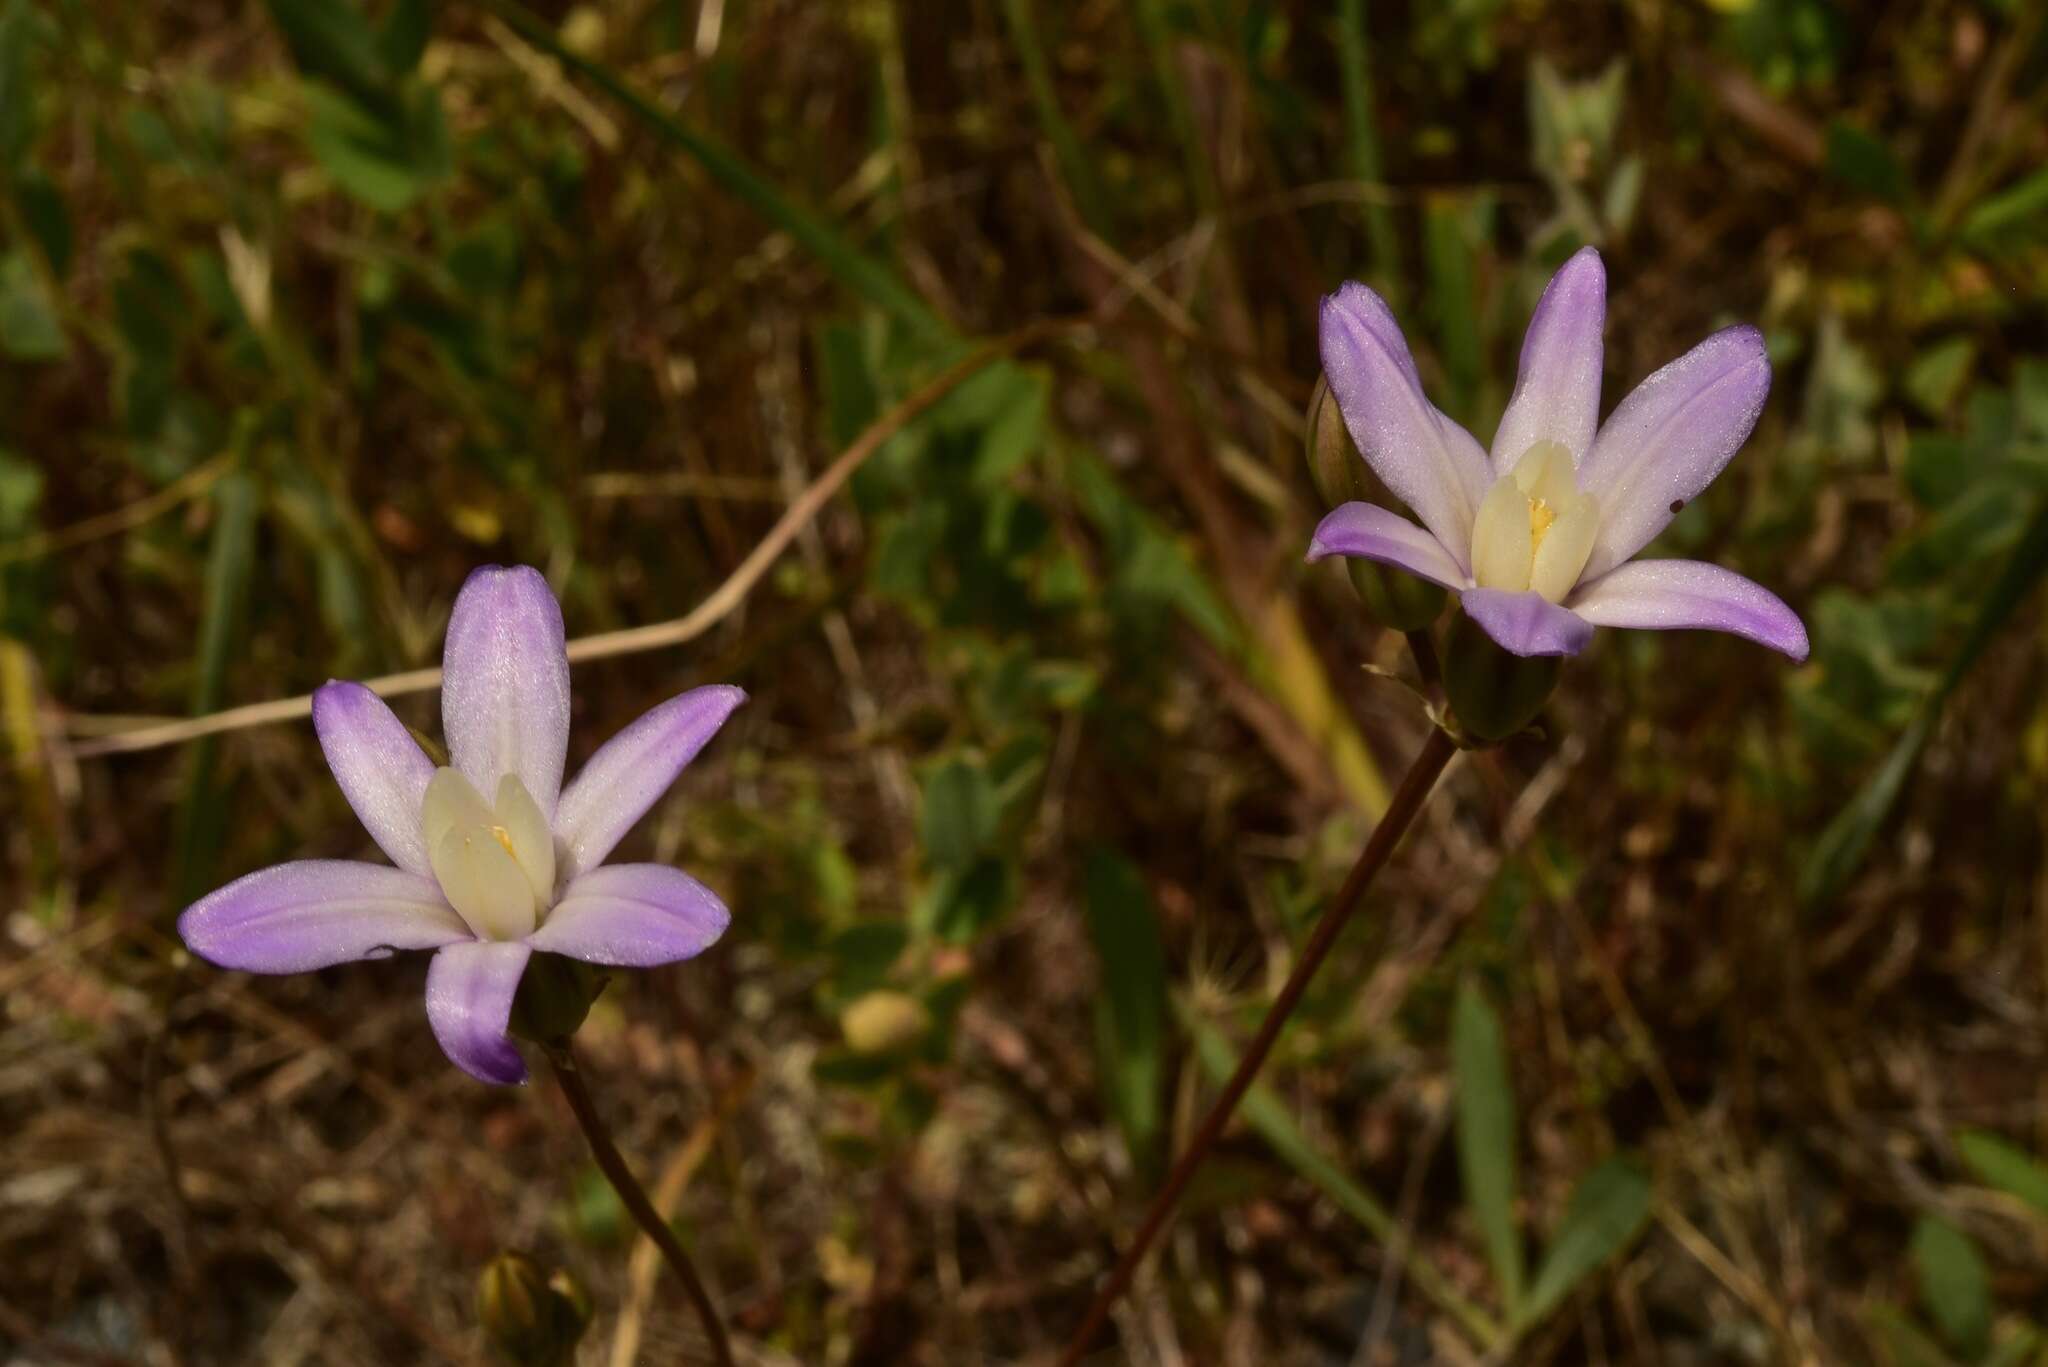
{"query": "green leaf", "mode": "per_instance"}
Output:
(385, 159)
(960, 813)
(1842, 846)
(1862, 162)
(21, 489)
(29, 326)
(1935, 377)
(17, 109)
(333, 39)
(1954, 1285)
(1603, 1217)
(43, 213)
(2020, 207)
(402, 37)
(1486, 1135)
(2005, 1166)
(1265, 1114)
(1130, 1010)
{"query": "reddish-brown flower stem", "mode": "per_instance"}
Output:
(1401, 812)
(634, 1195)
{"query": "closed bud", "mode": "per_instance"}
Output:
(575, 1297)
(882, 1022)
(1395, 600)
(555, 994)
(527, 1320)
(1493, 692)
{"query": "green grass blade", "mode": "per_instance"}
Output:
(1362, 144)
(1130, 1015)
(1263, 1111)
(230, 565)
(1604, 1216)
(1486, 1136)
(1075, 167)
(859, 272)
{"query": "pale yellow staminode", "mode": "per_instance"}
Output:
(1535, 529)
(496, 865)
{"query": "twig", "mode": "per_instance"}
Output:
(1401, 812)
(635, 1197)
(633, 640)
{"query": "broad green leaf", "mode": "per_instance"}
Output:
(42, 211)
(2005, 1166)
(1130, 1009)
(21, 488)
(2021, 206)
(1935, 377)
(1863, 162)
(333, 39)
(1265, 1114)
(1487, 1134)
(29, 326)
(1841, 848)
(1954, 1284)
(1603, 1217)
(960, 813)
(385, 159)
(403, 35)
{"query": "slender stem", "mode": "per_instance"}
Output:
(635, 1196)
(1401, 812)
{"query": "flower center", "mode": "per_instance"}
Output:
(1535, 530)
(495, 862)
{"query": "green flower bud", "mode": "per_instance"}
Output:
(1395, 600)
(1493, 693)
(554, 996)
(526, 1319)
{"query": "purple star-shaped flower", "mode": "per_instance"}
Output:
(495, 858)
(1535, 538)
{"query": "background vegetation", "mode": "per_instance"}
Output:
(1705, 1025)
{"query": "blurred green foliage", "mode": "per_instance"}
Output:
(1054, 749)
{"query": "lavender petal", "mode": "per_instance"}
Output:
(1557, 391)
(633, 915)
(1371, 532)
(1426, 460)
(1666, 442)
(381, 769)
(505, 684)
(631, 771)
(1526, 623)
(290, 918)
(469, 1004)
(1663, 595)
